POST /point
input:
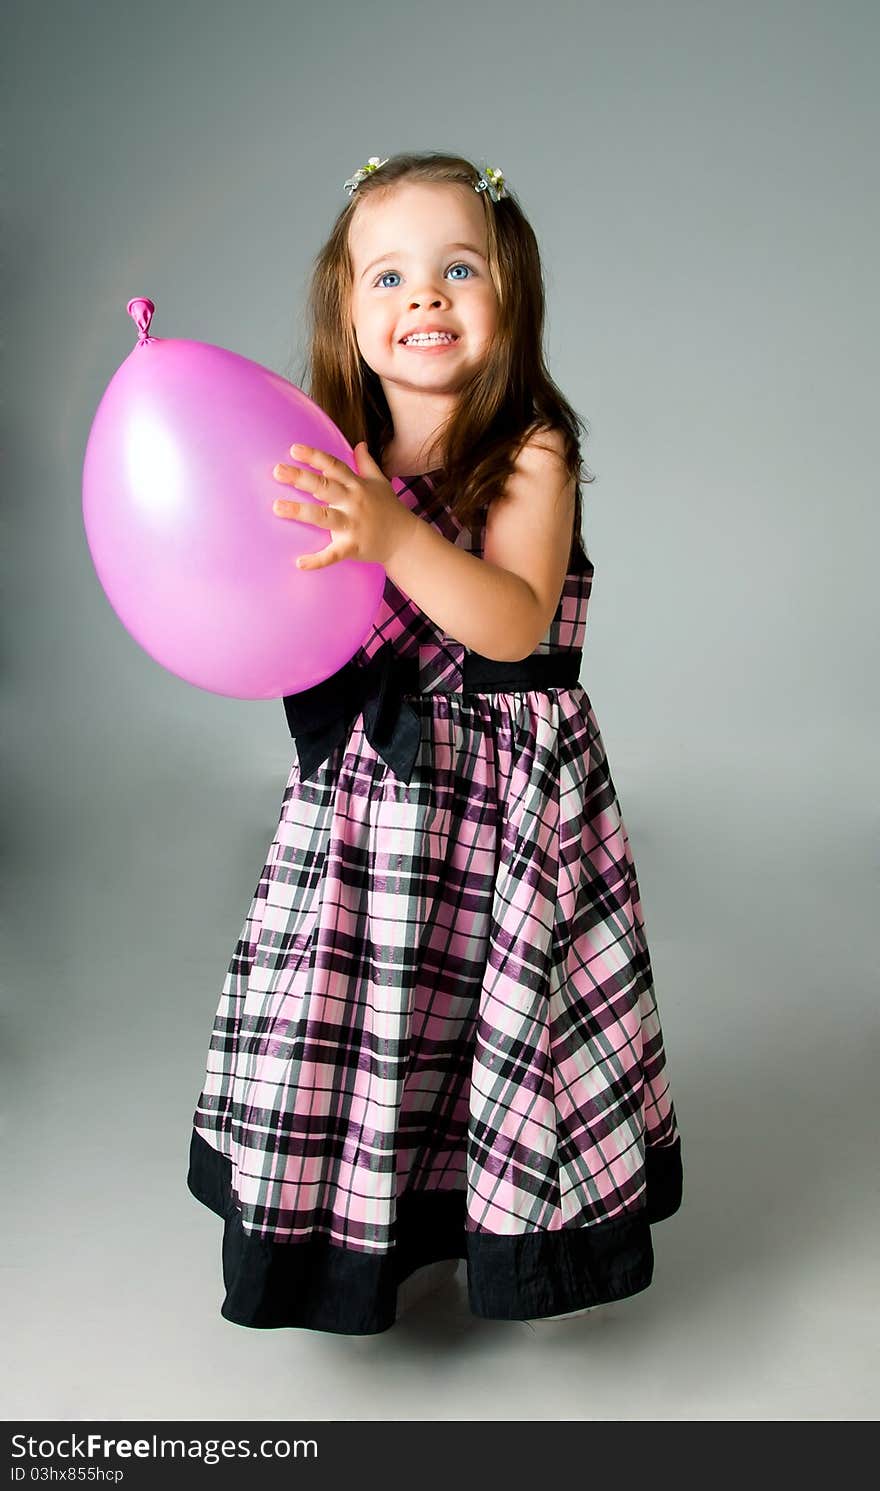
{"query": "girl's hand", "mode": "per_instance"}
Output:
(362, 511)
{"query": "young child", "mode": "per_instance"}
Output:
(438, 1037)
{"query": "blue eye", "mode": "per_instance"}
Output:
(385, 273)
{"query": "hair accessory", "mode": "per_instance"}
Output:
(354, 181)
(491, 180)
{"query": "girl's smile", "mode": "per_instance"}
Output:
(432, 346)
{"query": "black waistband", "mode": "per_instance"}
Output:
(543, 670)
(320, 717)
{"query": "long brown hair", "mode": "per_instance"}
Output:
(507, 399)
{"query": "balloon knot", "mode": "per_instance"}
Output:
(141, 311)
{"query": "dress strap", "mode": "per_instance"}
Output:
(321, 717)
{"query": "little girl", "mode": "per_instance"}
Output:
(438, 1037)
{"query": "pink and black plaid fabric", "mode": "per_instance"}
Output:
(438, 1034)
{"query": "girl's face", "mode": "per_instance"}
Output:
(419, 261)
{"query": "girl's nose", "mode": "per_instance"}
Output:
(428, 300)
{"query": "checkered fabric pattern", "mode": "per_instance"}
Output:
(444, 985)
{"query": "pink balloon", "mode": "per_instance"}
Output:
(177, 508)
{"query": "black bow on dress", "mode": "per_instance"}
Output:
(322, 716)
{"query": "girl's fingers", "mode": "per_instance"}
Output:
(329, 467)
(315, 513)
(319, 560)
(295, 476)
(317, 483)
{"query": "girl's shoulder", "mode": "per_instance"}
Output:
(541, 435)
(542, 456)
(551, 450)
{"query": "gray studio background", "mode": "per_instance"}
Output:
(700, 179)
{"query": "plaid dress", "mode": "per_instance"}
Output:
(438, 1035)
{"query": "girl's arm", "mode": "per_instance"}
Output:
(498, 606)
(489, 610)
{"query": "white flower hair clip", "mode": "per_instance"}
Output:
(361, 174)
(490, 180)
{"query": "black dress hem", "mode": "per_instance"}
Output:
(317, 1285)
